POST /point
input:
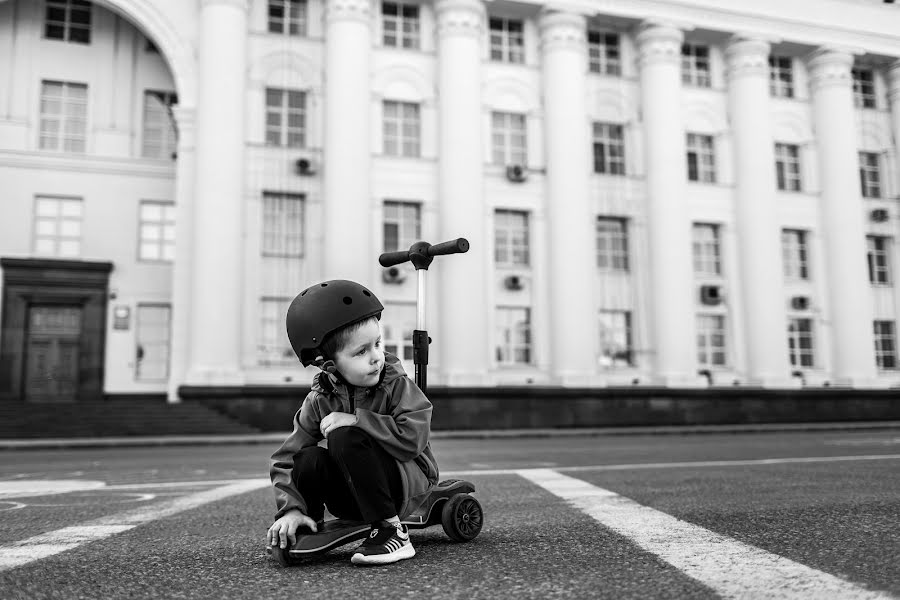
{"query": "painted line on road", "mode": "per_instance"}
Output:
(47, 544)
(731, 568)
(699, 464)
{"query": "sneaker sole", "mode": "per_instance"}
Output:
(384, 559)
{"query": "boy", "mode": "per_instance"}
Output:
(378, 463)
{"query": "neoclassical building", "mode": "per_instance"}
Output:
(656, 193)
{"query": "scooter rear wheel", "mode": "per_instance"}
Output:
(462, 517)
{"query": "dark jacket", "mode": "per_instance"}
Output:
(394, 412)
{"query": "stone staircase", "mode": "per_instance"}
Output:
(113, 418)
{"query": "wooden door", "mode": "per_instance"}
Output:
(52, 355)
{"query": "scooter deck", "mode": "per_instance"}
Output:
(337, 532)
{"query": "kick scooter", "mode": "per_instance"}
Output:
(450, 502)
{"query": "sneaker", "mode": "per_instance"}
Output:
(386, 544)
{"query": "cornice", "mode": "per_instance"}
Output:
(42, 161)
(747, 57)
(459, 17)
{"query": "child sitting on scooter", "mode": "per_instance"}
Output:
(378, 463)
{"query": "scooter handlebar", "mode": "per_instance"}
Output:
(389, 259)
(456, 246)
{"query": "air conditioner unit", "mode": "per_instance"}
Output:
(516, 173)
(879, 215)
(394, 275)
(513, 282)
(305, 166)
(800, 303)
(710, 295)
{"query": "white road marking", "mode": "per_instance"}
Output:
(24, 488)
(53, 542)
(684, 465)
(729, 567)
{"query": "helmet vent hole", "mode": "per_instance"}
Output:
(324, 285)
(348, 300)
(366, 292)
(303, 293)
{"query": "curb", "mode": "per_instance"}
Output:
(475, 434)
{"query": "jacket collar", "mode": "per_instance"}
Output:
(326, 383)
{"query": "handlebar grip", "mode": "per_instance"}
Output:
(389, 259)
(456, 246)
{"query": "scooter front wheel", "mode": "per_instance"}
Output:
(462, 518)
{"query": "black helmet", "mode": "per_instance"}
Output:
(325, 307)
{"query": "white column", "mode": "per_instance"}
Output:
(673, 338)
(894, 99)
(758, 232)
(217, 273)
(347, 149)
(182, 269)
(465, 337)
(570, 218)
(843, 227)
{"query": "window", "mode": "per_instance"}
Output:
(609, 149)
(800, 343)
(159, 139)
(273, 346)
(863, 88)
(63, 116)
(795, 254)
(507, 40)
(157, 231)
(285, 118)
(701, 158)
(282, 225)
(781, 76)
(603, 53)
(787, 167)
(612, 244)
(707, 250)
(695, 65)
(152, 332)
(288, 17)
(877, 256)
(68, 20)
(57, 226)
(711, 350)
(870, 174)
(511, 238)
(397, 327)
(402, 225)
(615, 339)
(402, 128)
(508, 139)
(885, 345)
(400, 24)
(513, 336)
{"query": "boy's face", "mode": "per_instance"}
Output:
(360, 361)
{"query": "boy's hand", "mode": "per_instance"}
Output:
(334, 420)
(284, 529)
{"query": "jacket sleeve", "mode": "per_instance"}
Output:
(405, 431)
(305, 434)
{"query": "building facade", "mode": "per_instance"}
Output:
(655, 193)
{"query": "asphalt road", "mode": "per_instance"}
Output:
(761, 515)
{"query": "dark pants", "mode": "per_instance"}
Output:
(354, 477)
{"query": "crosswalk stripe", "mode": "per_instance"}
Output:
(47, 544)
(731, 568)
